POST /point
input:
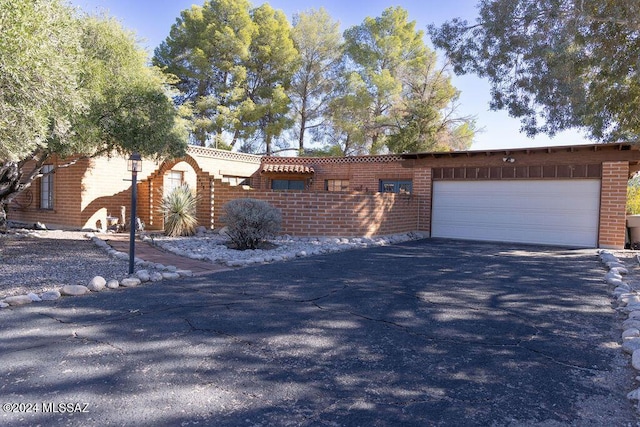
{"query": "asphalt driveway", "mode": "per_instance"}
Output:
(431, 332)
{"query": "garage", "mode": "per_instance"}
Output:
(561, 212)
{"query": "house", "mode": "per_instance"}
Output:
(570, 196)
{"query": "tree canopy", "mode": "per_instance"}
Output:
(555, 64)
(75, 85)
(251, 77)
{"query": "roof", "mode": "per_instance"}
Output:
(618, 146)
(287, 169)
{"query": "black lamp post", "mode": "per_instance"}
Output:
(134, 165)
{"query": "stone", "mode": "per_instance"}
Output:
(185, 273)
(620, 270)
(635, 360)
(632, 332)
(143, 275)
(634, 314)
(630, 345)
(97, 284)
(155, 276)
(18, 300)
(171, 268)
(170, 275)
(113, 284)
(130, 282)
(50, 295)
(74, 290)
(634, 395)
(631, 323)
(4, 304)
(34, 297)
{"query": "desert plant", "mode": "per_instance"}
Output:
(179, 210)
(250, 222)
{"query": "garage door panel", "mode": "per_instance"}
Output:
(558, 212)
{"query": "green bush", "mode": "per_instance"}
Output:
(250, 222)
(179, 210)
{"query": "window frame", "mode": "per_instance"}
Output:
(46, 187)
(331, 184)
(288, 181)
(397, 186)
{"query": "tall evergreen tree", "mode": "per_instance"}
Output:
(207, 49)
(318, 40)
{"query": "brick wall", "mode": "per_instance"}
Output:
(613, 196)
(329, 214)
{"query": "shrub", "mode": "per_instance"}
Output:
(179, 210)
(250, 222)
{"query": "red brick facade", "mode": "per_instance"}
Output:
(336, 196)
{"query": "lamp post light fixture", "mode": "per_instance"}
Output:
(134, 165)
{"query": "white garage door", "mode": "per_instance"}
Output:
(555, 212)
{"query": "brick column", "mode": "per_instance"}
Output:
(422, 185)
(613, 203)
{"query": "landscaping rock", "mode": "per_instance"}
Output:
(130, 282)
(630, 345)
(635, 360)
(4, 304)
(113, 284)
(18, 300)
(631, 332)
(34, 297)
(169, 275)
(155, 276)
(97, 284)
(143, 275)
(50, 295)
(631, 323)
(74, 290)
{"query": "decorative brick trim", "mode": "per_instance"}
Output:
(214, 153)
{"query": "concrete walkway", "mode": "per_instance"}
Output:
(148, 252)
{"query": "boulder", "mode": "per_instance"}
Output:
(130, 282)
(50, 295)
(97, 284)
(74, 290)
(18, 300)
(113, 284)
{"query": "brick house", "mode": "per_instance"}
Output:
(571, 196)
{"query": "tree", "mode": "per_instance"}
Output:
(318, 40)
(206, 50)
(405, 94)
(270, 65)
(555, 64)
(74, 86)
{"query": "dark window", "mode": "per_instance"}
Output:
(336, 185)
(46, 187)
(287, 184)
(399, 187)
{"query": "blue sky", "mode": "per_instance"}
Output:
(152, 20)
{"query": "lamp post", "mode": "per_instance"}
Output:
(134, 165)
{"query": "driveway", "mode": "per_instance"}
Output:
(431, 332)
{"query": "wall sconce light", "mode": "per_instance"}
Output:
(508, 159)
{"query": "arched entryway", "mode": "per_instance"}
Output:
(171, 174)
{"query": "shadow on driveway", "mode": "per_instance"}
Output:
(432, 332)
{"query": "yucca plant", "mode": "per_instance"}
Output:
(179, 210)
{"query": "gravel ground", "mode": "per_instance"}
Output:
(44, 260)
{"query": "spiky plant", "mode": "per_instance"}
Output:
(179, 210)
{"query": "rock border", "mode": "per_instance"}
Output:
(627, 302)
(99, 283)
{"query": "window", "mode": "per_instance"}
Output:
(46, 187)
(287, 184)
(399, 187)
(236, 180)
(173, 180)
(336, 185)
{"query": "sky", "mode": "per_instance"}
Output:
(151, 20)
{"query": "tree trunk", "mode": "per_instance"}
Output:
(9, 186)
